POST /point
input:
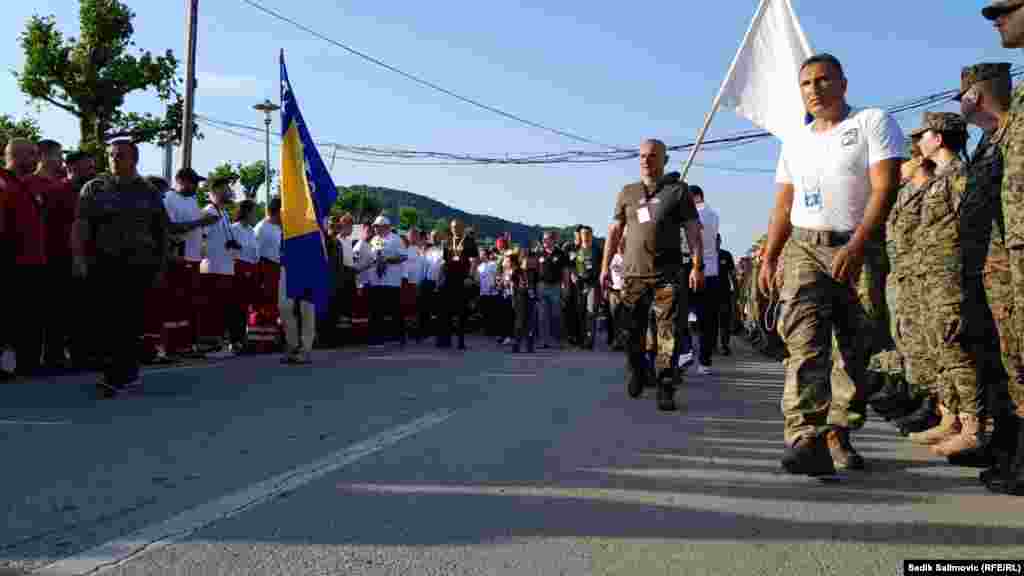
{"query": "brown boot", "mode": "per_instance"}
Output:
(948, 426)
(972, 433)
(843, 455)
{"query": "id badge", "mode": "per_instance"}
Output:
(643, 214)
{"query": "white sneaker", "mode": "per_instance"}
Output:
(703, 370)
(508, 342)
(221, 354)
(685, 360)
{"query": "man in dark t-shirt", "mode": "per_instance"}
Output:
(655, 209)
(554, 273)
(460, 257)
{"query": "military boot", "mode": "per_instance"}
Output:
(974, 433)
(809, 456)
(844, 457)
(948, 426)
(921, 419)
(636, 380)
(1003, 446)
(1007, 476)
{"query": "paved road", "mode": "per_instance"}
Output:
(422, 462)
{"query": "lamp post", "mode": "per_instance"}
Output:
(268, 108)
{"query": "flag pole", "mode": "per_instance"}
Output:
(718, 98)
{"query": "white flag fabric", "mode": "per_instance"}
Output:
(764, 85)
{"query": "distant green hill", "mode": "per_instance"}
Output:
(486, 226)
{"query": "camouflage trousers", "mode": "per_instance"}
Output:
(667, 297)
(1004, 289)
(821, 391)
(909, 334)
(956, 382)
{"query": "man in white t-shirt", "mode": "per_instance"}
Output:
(834, 177)
(386, 294)
(706, 302)
(265, 334)
(487, 275)
(218, 267)
(182, 280)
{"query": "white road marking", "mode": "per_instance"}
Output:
(123, 550)
(34, 422)
(510, 375)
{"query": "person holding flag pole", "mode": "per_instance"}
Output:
(307, 194)
(837, 170)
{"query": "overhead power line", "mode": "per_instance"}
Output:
(424, 82)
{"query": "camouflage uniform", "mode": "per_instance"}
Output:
(129, 228)
(942, 265)
(986, 258)
(904, 288)
(1012, 146)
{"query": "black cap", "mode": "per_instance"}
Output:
(189, 174)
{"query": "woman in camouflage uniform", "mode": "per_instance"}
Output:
(964, 425)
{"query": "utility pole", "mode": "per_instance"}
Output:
(268, 108)
(188, 113)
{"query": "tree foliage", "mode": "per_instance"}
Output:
(362, 204)
(252, 176)
(408, 217)
(22, 128)
(90, 76)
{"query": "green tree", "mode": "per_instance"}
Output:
(362, 204)
(90, 76)
(23, 128)
(252, 176)
(408, 217)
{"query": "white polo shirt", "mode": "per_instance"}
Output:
(346, 250)
(829, 171)
(186, 209)
(392, 248)
(268, 237)
(488, 272)
(219, 260)
(368, 277)
(709, 235)
(246, 236)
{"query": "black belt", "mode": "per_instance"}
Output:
(825, 238)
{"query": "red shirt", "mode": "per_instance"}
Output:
(61, 203)
(24, 217)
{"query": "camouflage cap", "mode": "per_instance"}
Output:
(971, 75)
(941, 122)
(1000, 7)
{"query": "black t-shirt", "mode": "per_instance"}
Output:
(726, 269)
(552, 265)
(456, 258)
(655, 219)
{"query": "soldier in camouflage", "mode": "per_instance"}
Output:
(121, 244)
(984, 99)
(1008, 477)
(965, 424)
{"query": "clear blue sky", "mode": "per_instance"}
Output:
(615, 72)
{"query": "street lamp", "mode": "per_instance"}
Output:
(268, 108)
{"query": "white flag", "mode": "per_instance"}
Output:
(764, 83)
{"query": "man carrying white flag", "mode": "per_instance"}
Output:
(834, 178)
(763, 82)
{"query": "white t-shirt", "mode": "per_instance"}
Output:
(247, 238)
(366, 278)
(392, 248)
(268, 237)
(709, 223)
(219, 260)
(186, 209)
(617, 268)
(488, 272)
(412, 267)
(436, 258)
(829, 171)
(346, 250)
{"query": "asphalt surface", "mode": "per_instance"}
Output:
(387, 461)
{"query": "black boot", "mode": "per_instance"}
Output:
(529, 344)
(515, 346)
(810, 456)
(666, 396)
(636, 380)
(919, 420)
(1007, 474)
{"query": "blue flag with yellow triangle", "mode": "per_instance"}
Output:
(307, 194)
